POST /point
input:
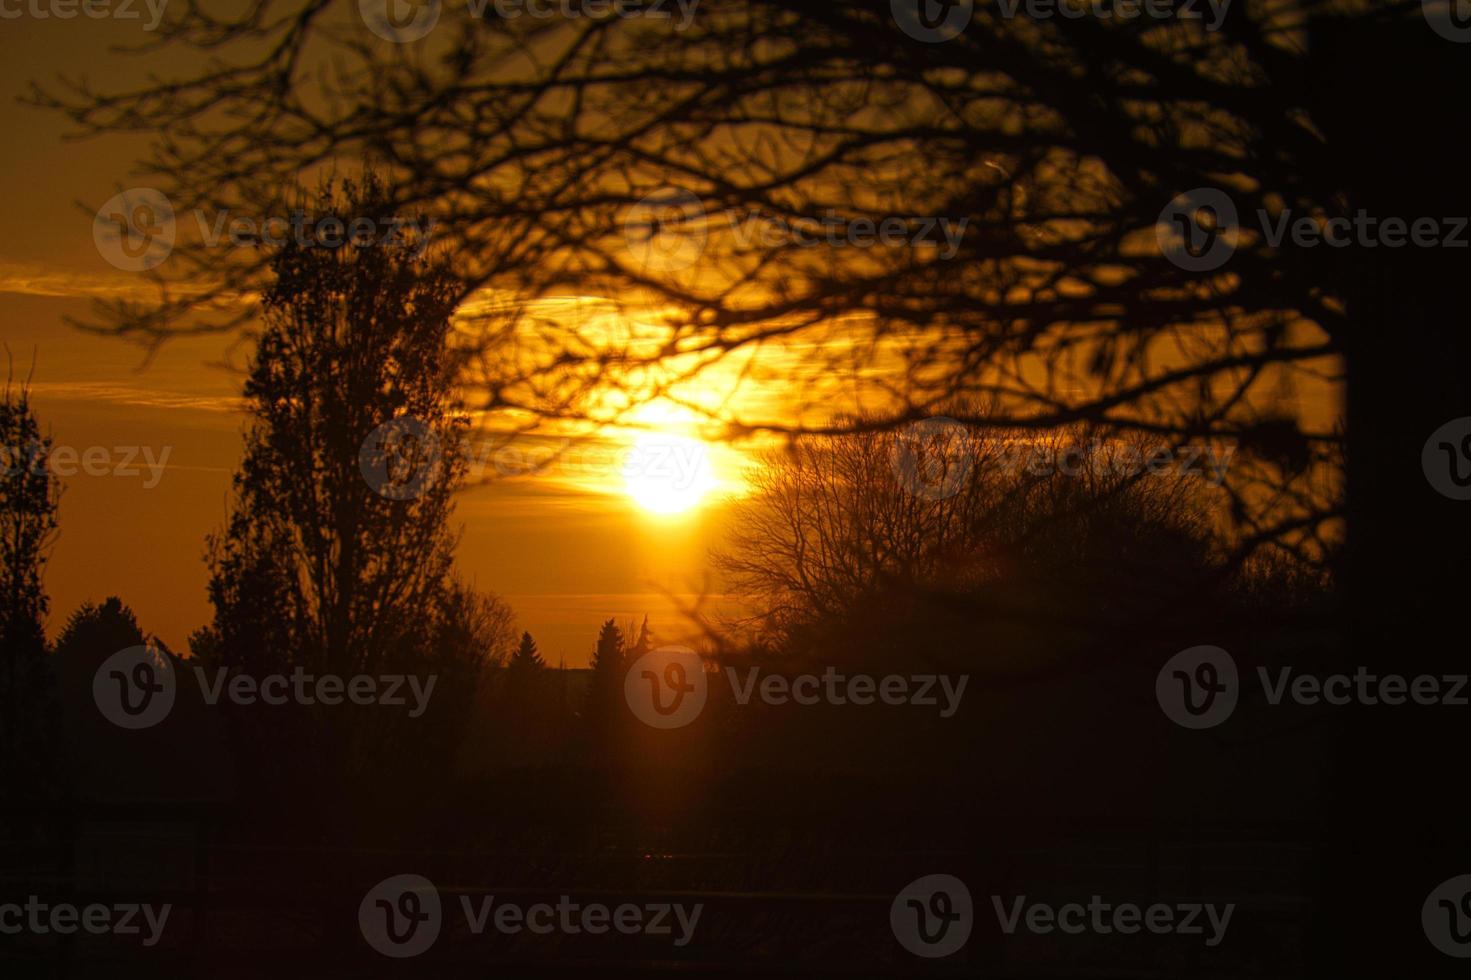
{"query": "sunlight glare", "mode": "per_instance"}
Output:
(668, 474)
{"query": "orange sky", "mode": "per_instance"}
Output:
(568, 549)
(567, 553)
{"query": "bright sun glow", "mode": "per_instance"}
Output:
(668, 474)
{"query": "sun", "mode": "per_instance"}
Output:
(668, 474)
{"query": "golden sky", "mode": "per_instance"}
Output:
(567, 547)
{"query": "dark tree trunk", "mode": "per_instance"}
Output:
(1394, 108)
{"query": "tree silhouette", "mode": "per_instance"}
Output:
(28, 498)
(843, 533)
(605, 689)
(644, 642)
(525, 661)
(105, 628)
(1059, 142)
(337, 554)
(318, 566)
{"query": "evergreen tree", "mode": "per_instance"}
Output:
(607, 656)
(99, 631)
(605, 692)
(526, 660)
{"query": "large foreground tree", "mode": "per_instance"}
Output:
(337, 555)
(1061, 143)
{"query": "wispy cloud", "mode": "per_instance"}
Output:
(34, 279)
(95, 391)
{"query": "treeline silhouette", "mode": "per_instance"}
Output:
(1054, 593)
